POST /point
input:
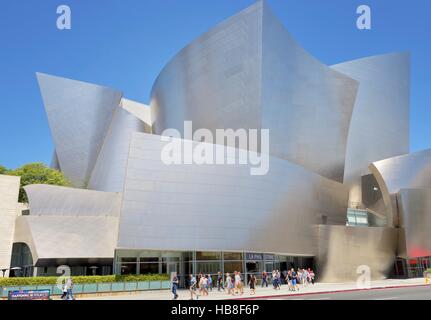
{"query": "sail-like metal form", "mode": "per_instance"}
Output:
(380, 122)
(248, 72)
(79, 116)
(110, 169)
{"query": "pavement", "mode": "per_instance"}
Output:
(383, 289)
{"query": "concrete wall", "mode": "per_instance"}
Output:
(9, 190)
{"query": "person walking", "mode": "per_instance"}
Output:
(278, 275)
(64, 294)
(220, 281)
(210, 283)
(229, 284)
(252, 284)
(193, 287)
(304, 278)
(312, 275)
(289, 280)
(264, 279)
(295, 280)
(69, 289)
(203, 285)
(241, 284)
(237, 280)
(175, 283)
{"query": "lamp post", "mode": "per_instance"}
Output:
(4, 271)
(93, 270)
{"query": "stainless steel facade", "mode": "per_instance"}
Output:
(415, 222)
(222, 207)
(380, 122)
(79, 115)
(248, 72)
(327, 125)
(406, 171)
(110, 169)
(344, 252)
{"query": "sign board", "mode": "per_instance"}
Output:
(254, 256)
(29, 295)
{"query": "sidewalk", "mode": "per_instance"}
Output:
(262, 293)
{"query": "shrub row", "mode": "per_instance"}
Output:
(12, 282)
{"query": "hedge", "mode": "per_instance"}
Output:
(12, 282)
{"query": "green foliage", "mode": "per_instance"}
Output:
(37, 173)
(2, 169)
(12, 282)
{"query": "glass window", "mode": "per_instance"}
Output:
(232, 266)
(147, 260)
(128, 268)
(149, 268)
(232, 256)
(208, 267)
(204, 256)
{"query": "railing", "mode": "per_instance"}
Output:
(91, 288)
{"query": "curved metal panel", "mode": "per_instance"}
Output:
(306, 105)
(380, 122)
(47, 200)
(76, 237)
(223, 207)
(79, 115)
(342, 250)
(110, 169)
(415, 214)
(214, 81)
(406, 171)
(249, 73)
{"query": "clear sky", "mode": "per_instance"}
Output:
(124, 44)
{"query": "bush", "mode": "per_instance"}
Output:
(15, 282)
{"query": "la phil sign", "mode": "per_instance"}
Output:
(29, 295)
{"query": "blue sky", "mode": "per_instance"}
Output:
(125, 43)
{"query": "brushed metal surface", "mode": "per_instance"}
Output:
(343, 249)
(110, 168)
(46, 200)
(68, 237)
(379, 128)
(248, 72)
(223, 207)
(406, 171)
(79, 115)
(415, 221)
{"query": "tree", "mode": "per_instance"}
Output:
(2, 169)
(37, 173)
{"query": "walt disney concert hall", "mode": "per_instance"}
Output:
(342, 190)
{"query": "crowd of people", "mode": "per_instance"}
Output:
(234, 283)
